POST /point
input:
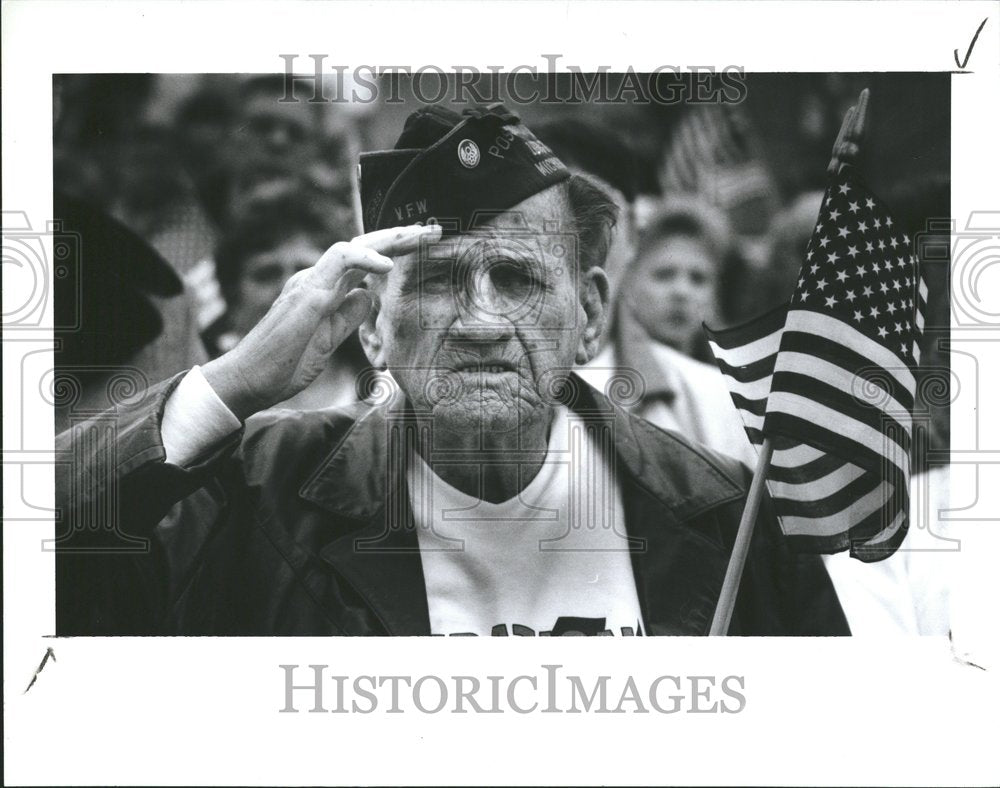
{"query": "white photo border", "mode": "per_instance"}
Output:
(206, 710)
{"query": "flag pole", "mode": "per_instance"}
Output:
(731, 584)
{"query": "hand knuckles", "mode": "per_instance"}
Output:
(294, 281)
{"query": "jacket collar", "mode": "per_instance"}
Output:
(352, 481)
(666, 482)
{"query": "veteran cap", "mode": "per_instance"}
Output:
(455, 169)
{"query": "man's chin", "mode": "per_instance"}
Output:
(488, 412)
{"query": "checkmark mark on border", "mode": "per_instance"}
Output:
(961, 63)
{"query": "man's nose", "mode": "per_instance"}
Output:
(482, 313)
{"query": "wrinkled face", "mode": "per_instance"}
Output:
(480, 329)
(673, 290)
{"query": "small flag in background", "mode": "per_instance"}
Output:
(830, 379)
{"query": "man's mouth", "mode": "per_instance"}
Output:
(492, 366)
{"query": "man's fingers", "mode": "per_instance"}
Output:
(398, 240)
(355, 308)
(349, 315)
(343, 257)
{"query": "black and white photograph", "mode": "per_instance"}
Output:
(307, 348)
(487, 405)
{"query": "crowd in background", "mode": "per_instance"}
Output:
(233, 190)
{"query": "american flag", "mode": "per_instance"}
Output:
(830, 379)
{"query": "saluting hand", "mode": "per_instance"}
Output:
(317, 310)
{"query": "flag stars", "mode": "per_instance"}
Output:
(857, 316)
(841, 275)
(883, 287)
(874, 311)
(881, 244)
(850, 296)
(862, 227)
(869, 203)
(830, 301)
(824, 241)
(842, 232)
(882, 332)
(852, 252)
(809, 255)
(821, 285)
(861, 270)
(869, 246)
(891, 307)
(835, 214)
(888, 221)
(892, 241)
(906, 239)
(878, 223)
(844, 188)
(813, 268)
(895, 284)
(833, 257)
(897, 328)
(903, 349)
(866, 292)
(854, 207)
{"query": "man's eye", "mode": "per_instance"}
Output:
(510, 274)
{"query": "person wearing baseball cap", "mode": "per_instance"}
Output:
(486, 491)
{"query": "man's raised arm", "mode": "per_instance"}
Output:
(126, 470)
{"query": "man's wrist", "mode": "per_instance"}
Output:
(229, 385)
(195, 419)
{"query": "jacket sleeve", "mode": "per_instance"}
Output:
(119, 510)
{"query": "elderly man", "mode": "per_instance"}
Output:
(497, 495)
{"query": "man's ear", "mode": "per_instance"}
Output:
(594, 295)
(370, 333)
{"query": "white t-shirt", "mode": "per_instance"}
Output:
(551, 561)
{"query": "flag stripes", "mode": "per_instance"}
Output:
(829, 379)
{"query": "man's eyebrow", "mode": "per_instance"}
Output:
(425, 267)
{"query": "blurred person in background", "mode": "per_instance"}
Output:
(684, 272)
(281, 143)
(715, 155)
(273, 238)
(266, 148)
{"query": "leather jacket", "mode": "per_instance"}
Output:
(301, 525)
